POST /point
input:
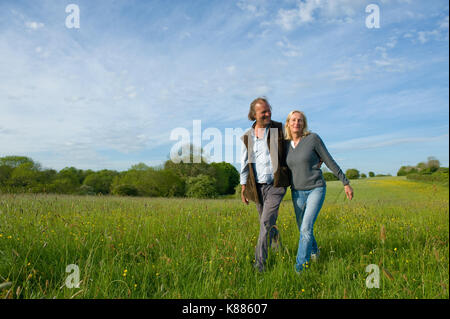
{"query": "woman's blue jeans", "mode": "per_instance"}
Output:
(307, 205)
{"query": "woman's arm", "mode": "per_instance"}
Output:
(331, 164)
(326, 157)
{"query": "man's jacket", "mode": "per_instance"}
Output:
(275, 143)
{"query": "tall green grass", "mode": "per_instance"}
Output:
(186, 248)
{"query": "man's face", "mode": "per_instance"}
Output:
(263, 115)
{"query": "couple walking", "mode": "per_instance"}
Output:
(273, 159)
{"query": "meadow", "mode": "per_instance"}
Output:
(128, 247)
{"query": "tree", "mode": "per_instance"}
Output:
(76, 176)
(84, 174)
(66, 181)
(201, 186)
(125, 190)
(169, 184)
(44, 179)
(352, 173)
(151, 182)
(16, 161)
(100, 181)
(227, 177)
(5, 173)
(140, 167)
(62, 186)
(86, 190)
(421, 166)
(144, 181)
(186, 167)
(433, 164)
(363, 175)
(371, 174)
(24, 176)
(328, 176)
(405, 170)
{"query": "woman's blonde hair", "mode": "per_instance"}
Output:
(287, 131)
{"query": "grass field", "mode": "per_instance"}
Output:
(187, 248)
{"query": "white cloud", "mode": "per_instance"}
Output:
(424, 36)
(231, 69)
(288, 49)
(440, 33)
(287, 19)
(392, 42)
(34, 25)
(363, 65)
(185, 35)
(254, 7)
(444, 23)
(328, 11)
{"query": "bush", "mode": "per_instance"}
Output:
(352, 173)
(329, 176)
(100, 181)
(125, 190)
(62, 186)
(5, 173)
(227, 177)
(363, 175)
(371, 174)
(169, 184)
(151, 182)
(201, 186)
(86, 190)
(405, 170)
(440, 177)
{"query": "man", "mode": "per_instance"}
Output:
(264, 173)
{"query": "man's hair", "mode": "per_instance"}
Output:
(252, 112)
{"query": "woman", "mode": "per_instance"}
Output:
(305, 151)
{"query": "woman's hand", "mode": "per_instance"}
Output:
(348, 191)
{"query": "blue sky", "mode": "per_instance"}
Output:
(109, 94)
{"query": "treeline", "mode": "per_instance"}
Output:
(430, 171)
(20, 174)
(351, 173)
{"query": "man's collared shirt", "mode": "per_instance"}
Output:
(259, 158)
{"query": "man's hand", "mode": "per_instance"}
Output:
(244, 200)
(348, 191)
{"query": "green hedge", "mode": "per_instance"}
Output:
(440, 177)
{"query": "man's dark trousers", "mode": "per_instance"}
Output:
(271, 198)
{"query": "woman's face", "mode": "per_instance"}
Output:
(296, 123)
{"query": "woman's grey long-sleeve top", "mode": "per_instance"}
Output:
(303, 162)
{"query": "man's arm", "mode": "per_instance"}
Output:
(244, 172)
